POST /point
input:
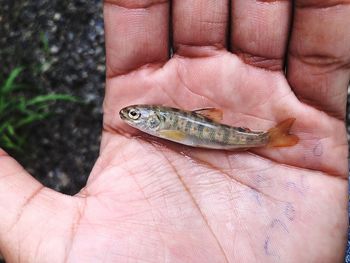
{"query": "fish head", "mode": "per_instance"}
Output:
(145, 118)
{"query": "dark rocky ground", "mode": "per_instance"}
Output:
(61, 45)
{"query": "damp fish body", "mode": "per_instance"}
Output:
(201, 128)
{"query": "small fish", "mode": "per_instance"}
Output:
(202, 128)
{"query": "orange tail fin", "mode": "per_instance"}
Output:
(279, 135)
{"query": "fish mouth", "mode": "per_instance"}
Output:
(123, 113)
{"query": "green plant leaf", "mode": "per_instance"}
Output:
(18, 110)
(9, 143)
(51, 97)
(9, 82)
(31, 118)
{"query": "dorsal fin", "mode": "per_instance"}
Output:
(210, 113)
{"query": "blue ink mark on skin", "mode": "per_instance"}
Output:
(289, 211)
(257, 197)
(293, 186)
(318, 149)
(266, 246)
(261, 181)
(278, 222)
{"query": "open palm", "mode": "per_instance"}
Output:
(148, 200)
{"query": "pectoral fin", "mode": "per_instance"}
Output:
(210, 113)
(173, 135)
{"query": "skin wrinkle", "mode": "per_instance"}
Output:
(327, 67)
(197, 206)
(154, 65)
(231, 177)
(4, 177)
(151, 168)
(322, 61)
(75, 226)
(211, 22)
(182, 81)
(185, 187)
(192, 50)
(215, 46)
(155, 225)
(243, 226)
(141, 188)
(24, 206)
(164, 90)
(211, 167)
(271, 1)
(135, 4)
(179, 75)
(290, 166)
(37, 249)
(320, 4)
(115, 131)
(335, 175)
(268, 63)
(333, 113)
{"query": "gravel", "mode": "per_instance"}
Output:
(61, 45)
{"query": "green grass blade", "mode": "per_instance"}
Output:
(31, 118)
(51, 97)
(9, 82)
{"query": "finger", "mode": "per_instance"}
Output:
(259, 32)
(136, 34)
(319, 54)
(201, 23)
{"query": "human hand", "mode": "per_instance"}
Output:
(147, 201)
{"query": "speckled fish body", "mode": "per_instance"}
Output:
(191, 128)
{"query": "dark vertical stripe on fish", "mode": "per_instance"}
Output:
(175, 122)
(226, 136)
(200, 131)
(188, 126)
(212, 134)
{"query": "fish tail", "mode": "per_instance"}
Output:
(279, 136)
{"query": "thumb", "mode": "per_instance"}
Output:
(17, 189)
(27, 209)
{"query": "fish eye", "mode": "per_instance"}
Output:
(134, 114)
